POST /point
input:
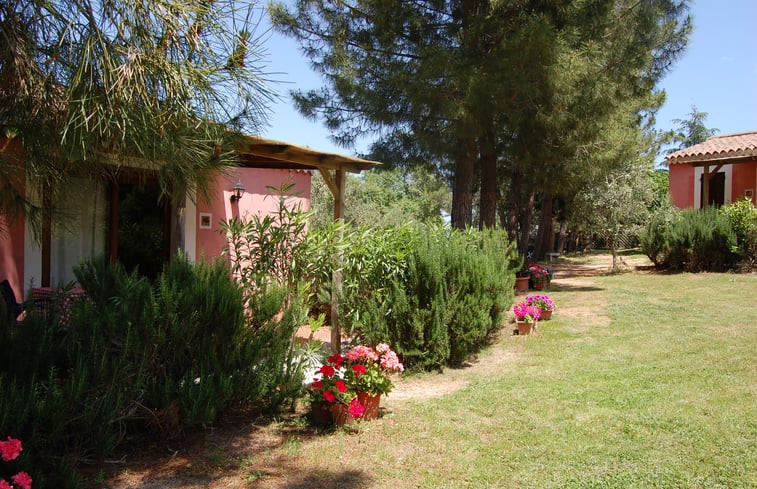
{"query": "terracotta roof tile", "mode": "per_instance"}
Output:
(724, 147)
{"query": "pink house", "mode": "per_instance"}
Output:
(125, 220)
(728, 165)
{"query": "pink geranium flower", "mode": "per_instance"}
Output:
(390, 361)
(4, 484)
(10, 449)
(23, 480)
(356, 409)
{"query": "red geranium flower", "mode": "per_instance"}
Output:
(317, 384)
(358, 369)
(340, 385)
(327, 370)
(336, 359)
(329, 396)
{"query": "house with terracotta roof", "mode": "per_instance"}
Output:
(719, 171)
(125, 219)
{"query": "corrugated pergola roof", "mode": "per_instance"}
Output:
(257, 152)
(729, 148)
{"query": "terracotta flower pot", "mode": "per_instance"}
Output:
(525, 327)
(320, 414)
(521, 284)
(370, 403)
(340, 414)
(545, 316)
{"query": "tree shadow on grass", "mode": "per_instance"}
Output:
(570, 288)
(238, 452)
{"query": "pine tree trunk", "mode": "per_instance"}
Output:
(462, 195)
(525, 230)
(562, 237)
(513, 206)
(488, 203)
(545, 240)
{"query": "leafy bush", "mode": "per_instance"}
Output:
(654, 240)
(370, 259)
(137, 355)
(742, 215)
(438, 293)
(695, 240)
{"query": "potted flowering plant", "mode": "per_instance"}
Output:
(545, 304)
(331, 396)
(540, 276)
(526, 316)
(522, 277)
(368, 371)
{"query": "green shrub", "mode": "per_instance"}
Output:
(654, 240)
(742, 215)
(137, 355)
(694, 240)
(454, 291)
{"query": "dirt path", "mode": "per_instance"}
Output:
(216, 457)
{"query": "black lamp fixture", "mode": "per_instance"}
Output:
(237, 191)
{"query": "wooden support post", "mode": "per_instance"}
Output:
(113, 222)
(336, 276)
(47, 232)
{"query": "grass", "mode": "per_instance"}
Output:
(640, 381)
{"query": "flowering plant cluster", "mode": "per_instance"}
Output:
(539, 273)
(330, 385)
(526, 312)
(543, 302)
(10, 450)
(369, 368)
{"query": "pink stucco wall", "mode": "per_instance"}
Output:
(12, 232)
(681, 179)
(257, 199)
(12, 254)
(744, 177)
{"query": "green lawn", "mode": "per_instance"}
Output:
(639, 381)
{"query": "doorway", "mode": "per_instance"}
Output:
(717, 190)
(143, 228)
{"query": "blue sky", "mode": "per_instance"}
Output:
(717, 73)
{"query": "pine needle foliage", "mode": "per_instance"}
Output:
(93, 86)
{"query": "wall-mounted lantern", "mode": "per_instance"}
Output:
(237, 191)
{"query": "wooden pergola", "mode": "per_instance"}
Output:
(256, 152)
